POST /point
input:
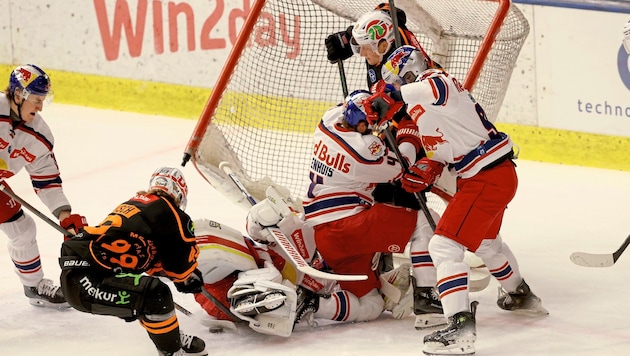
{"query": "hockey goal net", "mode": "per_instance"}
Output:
(277, 82)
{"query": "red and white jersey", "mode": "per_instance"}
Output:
(344, 170)
(30, 146)
(453, 127)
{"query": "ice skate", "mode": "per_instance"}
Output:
(191, 346)
(521, 301)
(458, 338)
(428, 308)
(307, 306)
(46, 294)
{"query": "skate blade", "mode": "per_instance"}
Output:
(534, 310)
(46, 304)
(426, 321)
(463, 347)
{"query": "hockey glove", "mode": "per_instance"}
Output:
(193, 284)
(380, 107)
(73, 223)
(421, 175)
(338, 45)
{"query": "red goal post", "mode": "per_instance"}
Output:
(277, 82)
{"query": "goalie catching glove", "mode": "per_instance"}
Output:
(421, 175)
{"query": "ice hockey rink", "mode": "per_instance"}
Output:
(106, 156)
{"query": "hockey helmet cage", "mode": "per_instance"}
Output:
(370, 29)
(404, 65)
(353, 110)
(30, 79)
(172, 182)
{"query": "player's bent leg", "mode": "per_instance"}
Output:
(344, 306)
(24, 252)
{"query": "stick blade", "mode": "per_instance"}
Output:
(592, 260)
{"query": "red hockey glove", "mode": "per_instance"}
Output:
(73, 223)
(380, 107)
(421, 175)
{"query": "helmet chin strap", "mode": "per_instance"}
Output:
(19, 106)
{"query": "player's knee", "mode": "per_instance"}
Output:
(443, 249)
(159, 299)
(371, 306)
(489, 248)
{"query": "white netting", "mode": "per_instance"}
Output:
(283, 83)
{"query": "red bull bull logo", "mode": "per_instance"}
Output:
(430, 143)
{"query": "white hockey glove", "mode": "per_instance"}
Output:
(626, 36)
(261, 216)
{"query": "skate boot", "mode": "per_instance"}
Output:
(46, 294)
(522, 300)
(457, 338)
(307, 306)
(427, 307)
(191, 346)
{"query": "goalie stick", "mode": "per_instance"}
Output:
(585, 259)
(283, 241)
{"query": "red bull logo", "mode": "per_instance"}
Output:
(430, 143)
(25, 76)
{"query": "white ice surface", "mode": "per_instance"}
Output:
(106, 156)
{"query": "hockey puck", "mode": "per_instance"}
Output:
(215, 329)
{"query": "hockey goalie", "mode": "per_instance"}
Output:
(257, 281)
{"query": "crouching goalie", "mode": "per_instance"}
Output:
(259, 284)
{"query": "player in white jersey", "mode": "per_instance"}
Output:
(456, 133)
(350, 227)
(27, 142)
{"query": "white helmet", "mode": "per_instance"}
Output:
(171, 181)
(404, 62)
(370, 29)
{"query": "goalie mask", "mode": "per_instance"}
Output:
(172, 182)
(404, 65)
(370, 29)
(30, 80)
(353, 110)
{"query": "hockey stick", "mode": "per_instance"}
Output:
(39, 214)
(585, 259)
(283, 241)
(342, 76)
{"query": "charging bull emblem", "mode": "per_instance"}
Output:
(430, 143)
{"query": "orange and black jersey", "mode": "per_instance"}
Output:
(147, 233)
